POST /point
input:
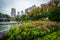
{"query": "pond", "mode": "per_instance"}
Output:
(4, 27)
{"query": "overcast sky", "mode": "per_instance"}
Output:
(6, 5)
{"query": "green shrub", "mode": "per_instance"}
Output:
(30, 31)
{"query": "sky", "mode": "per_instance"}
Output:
(6, 5)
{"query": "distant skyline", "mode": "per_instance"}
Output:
(6, 5)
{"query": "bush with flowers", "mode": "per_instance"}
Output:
(31, 31)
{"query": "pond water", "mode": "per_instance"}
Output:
(4, 27)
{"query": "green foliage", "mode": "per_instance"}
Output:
(55, 14)
(8, 17)
(56, 2)
(23, 17)
(17, 18)
(4, 16)
(30, 31)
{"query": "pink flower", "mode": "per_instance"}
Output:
(39, 24)
(20, 26)
(42, 26)
(4, 34)
(45, 30)
(48, 25)
(31, 30)
(19, 36)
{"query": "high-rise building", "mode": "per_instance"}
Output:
(13, 12)
(22, 12)
(18, 13)
(30, 9)
(34, 6)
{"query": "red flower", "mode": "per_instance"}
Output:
(20, 26)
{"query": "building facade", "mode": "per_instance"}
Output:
(13, 12)
(30, 9)
(18, 13)
(22, 12)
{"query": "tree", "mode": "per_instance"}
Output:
(55, 14)
(7, 16)
(34, 14)
(4, 16)
(56, 2)
(17, 18)
(0, 15)
(23, 17)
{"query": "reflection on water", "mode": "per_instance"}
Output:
(4, 27)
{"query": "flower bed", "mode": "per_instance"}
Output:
(31, 31)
